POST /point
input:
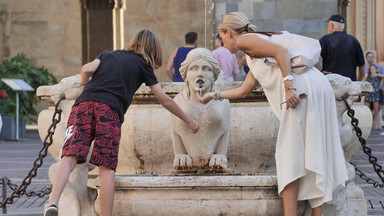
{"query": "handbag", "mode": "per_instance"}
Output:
(304, 51)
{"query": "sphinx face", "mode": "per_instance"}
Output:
(200, 76)
(342, 85)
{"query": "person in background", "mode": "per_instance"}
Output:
(98, 113)
(309, 158)
(178, 56)
(227, 61)
(370, 56)
(243, 67)
(341, 52)
(373, 98)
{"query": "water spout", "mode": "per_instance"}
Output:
(201, 87)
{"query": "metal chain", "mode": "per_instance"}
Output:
(21, 190)
(372, 159)
(8, 182)
(40, 194)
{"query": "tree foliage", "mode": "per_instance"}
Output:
(20, 67)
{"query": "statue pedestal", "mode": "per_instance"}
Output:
(195, 195)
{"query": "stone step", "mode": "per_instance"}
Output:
(195, 195)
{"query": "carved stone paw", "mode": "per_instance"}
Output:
(218, 161)
(182, 161)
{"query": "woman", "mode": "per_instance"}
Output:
(372, 99)
(309, 157)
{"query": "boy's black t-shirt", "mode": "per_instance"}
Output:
(119, 75)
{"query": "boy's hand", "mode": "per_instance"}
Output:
(194, 126)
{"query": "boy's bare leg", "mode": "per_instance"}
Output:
(290, 196)
(107, 190)
(64, 169)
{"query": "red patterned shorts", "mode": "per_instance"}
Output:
(88, 121)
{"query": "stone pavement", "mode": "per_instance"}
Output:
(374, 196)
(16, 160)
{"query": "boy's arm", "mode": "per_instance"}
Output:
(172, 107)
(87, 71)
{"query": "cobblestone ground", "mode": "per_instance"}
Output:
(16, 160)
(374, 196)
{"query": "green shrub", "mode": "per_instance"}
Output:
(19, 67)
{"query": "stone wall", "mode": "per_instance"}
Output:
(170, 20)
(48, 32)
(296, 16)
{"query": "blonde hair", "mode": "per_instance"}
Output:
(147, 45)
(196, 54)
(236, 22)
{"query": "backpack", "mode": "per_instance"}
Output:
(304, 51)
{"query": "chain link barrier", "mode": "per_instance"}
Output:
(368, 151)
(18, 191)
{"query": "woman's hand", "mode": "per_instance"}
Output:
(194, 126)
(206, 98)
(291, 98)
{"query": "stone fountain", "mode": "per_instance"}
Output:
(146, 181)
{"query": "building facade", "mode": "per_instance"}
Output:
(63, 35)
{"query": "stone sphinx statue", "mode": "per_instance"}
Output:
(341, 86)
(205, 151)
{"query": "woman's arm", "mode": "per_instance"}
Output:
(172, 107)
(243, 91)
(254, 45)
(87, 71)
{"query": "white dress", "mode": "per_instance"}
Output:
(308, 145)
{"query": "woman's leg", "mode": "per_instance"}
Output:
(290, 196)
(318, 211)
(375, 113)
(64, 169)
(107, 190)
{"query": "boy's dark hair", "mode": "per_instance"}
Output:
(190, 37)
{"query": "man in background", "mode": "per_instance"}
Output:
(341, 52)
(179, 55)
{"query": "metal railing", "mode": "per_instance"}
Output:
(20, 190)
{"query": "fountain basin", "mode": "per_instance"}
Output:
(196, 195)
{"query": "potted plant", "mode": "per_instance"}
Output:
(19, 67)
